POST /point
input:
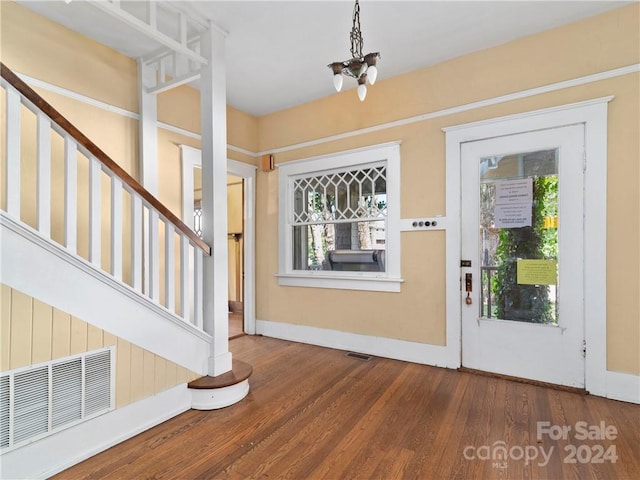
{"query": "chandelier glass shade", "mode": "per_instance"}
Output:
(361, 67)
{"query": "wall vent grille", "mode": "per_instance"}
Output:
(41, 399)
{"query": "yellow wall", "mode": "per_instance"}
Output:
(594, 45)
(32, 332)
(86, 67)
(417, 314)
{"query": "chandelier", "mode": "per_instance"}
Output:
(361, 67)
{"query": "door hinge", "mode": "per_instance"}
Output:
(584, 348)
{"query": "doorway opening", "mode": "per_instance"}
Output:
(241, 181)
(235, 219)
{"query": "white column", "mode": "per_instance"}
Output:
(213, 105)
(148, 156)
(148, 128)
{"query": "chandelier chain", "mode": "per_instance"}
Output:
(356, 35)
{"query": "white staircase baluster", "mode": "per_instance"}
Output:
(116, 227)
(154, 263)
(169, 267)
(70, 194)
(44, 175)
(197, 297)
(145, 211)
(136, 242)
(95, 212)
(12, 178)
(185, 292)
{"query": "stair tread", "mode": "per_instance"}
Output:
(239, 372)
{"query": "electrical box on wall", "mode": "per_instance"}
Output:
(267, 163)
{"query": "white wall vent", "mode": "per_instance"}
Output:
(41, 399)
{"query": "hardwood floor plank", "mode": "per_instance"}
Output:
(313, 413)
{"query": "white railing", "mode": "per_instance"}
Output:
(88, 204)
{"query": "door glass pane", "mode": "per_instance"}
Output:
(519, 237)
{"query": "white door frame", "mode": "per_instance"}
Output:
(191, 158)
(593, 114)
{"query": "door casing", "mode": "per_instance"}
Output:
(191, 157)
(593, 115)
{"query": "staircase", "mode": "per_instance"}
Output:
(108, 253)
(60, 256)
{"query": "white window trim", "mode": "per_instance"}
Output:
(388, 281)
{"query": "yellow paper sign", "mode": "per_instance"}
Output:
(537, 272)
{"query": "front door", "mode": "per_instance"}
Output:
(522, 271)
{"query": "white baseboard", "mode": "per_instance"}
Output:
(382, 347)
(623, 386)
(619, 386)
(55, 453)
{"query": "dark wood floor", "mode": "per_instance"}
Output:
(314, 413)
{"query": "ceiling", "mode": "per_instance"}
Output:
(277, 51)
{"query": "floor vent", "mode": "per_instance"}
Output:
(42, 399)
(359, 356)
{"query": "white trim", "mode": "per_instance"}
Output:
(248, 174)
(596, 77)
(25, 251)
(242, 150)
(191, 158)
(34, 82)
(388, 281)
(57, 452)
(150, 31)
(214, 398)
(183, 132)
(415, 352)
(336, 159)
(533, 113)
(314, 279)
(592, 113)
(623, 386)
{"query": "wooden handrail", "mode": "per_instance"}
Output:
(82, 140)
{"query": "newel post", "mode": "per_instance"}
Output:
(213, 106)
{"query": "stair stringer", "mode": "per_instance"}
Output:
(36, 266)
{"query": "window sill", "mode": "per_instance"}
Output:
(341, 282)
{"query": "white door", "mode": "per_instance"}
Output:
(522, 231)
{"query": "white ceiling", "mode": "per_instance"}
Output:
(278, 51)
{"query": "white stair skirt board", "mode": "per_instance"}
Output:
(55, 453)
(214, 398)
(423, 353)
(69, 283)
